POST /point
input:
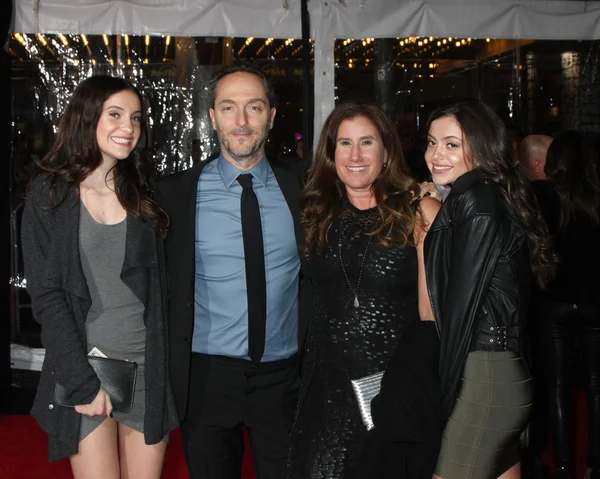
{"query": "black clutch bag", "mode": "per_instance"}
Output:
(117, 378)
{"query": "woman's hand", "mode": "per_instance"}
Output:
(100, 406)
(427, 188)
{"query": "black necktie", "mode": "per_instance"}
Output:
(254, 256)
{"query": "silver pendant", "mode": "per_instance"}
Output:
(356, 303)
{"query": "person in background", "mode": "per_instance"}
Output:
(92, 247)
(532, 160)
(296, 159)
(532, 156)
(485, 245)
(300, 149)
(363, 231)
(570, 306)
(233, 264)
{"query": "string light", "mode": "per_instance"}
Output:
(249, 40)
(64, 40)
(167, 42)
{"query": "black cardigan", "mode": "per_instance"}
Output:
(60, 300)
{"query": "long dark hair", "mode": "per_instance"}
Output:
(325, 194)
(75, 153)
(491, 153)
(571, 166)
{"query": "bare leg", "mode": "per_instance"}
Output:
(139, 460)
(98, 456)
(513, 473)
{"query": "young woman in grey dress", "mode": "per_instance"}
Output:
(92, 247)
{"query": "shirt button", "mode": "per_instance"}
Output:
(189, 304)
(50, 406)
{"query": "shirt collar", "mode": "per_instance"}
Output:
(229, 172)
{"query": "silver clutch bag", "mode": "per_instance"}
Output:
(366, 389)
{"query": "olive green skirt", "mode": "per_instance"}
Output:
(481, 438)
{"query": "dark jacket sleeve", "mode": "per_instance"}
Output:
(407, 407)
(475, 248)
(65, 350)
(406, 413)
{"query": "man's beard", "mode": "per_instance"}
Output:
(243, 153)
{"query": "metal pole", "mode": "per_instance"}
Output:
(385, 84)
(6, 9)
(307, 91)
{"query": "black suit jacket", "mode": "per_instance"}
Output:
(177, 196)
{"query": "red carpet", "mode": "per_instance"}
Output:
(24, 454)
(23, 450)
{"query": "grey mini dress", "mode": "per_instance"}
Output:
(115, 322)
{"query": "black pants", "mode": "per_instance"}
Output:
(230, 395)
(536, 438)
(563, 324)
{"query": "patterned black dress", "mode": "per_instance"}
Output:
(346, 342)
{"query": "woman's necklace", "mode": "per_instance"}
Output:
(362, 264)
(99, 194)
(109, 205)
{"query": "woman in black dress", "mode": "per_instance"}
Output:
(363, 264)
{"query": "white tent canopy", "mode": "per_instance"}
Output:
(330, 19)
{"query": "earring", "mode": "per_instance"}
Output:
(384, 164)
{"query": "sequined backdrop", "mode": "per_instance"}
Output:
(44, 80)
(176, 90)
(173, 74)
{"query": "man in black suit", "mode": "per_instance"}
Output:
(233, 362)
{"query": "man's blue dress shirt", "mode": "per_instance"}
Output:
(221, 305)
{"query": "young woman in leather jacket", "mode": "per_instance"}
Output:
(481, 252)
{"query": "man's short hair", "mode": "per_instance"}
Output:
(242, 68)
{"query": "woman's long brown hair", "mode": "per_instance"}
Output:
(325, 194)
(491, 151)
(75, 153)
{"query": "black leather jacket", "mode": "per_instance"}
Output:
(478, 275)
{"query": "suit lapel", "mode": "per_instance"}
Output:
(289, 183)
(185, 216)
(138, 245)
